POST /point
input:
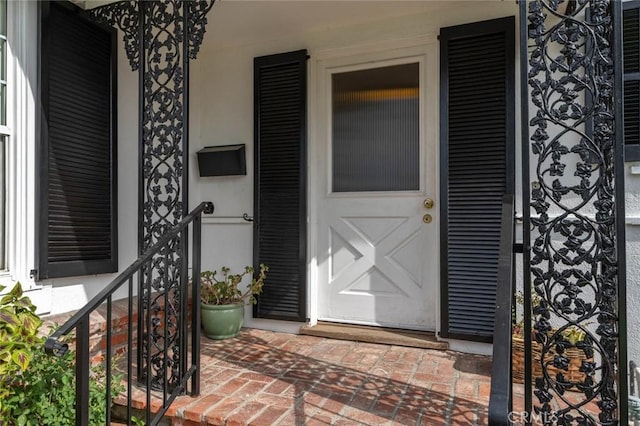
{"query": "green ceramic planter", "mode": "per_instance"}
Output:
(222, 321)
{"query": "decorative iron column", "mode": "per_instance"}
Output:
(574, 226)
(160, 38)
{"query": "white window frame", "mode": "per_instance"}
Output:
(20, 133)
(5, 134)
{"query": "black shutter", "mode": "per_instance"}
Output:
(477, 140)
(631, 53)
(77, 187)
(280, 134)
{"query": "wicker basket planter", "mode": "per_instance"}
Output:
(576, 356)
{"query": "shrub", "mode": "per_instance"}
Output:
(45, 393)
(19, 326)
(37, 388)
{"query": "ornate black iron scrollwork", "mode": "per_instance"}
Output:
(163, 194)
(573, 219)
(158, 52)
(124, 16)
(197, 22)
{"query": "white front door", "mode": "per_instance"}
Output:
(377, 241)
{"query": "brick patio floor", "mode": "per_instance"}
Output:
(267, 378)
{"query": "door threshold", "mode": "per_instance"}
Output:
(370, 334)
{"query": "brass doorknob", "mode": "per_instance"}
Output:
(427, 218)
(428, 203)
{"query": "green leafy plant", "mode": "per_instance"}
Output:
(518, 323)
(45, 393)
(572, 334)
(226, 289)
(37, 388)
(19, 326)
(136, 421)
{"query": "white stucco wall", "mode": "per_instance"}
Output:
(222, 110)
(632, 205)
(632, 189)
(224, 71)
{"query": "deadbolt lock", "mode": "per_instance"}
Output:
(428, 203)
(427, 218)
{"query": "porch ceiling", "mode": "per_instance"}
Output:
(239, 22)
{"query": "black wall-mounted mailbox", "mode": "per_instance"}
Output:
(227, 160)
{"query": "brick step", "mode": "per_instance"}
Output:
(98, 327)
(266, 378)
(203, 410)
(269, 378)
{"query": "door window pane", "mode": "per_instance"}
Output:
(375, 129)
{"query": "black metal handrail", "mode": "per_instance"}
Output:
(500, 399)
(80, 322)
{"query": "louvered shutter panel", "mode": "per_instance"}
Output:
(477, 129)
(631, 53)
(280, 83)
(78, 194)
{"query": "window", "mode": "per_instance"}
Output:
(375, 129)
(4, 133)
(631, 53)
(77, 199)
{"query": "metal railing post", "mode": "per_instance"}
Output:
(82, 372)
(195, 307)
(500, 399)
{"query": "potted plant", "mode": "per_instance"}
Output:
(222, 300)
(573, 337)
